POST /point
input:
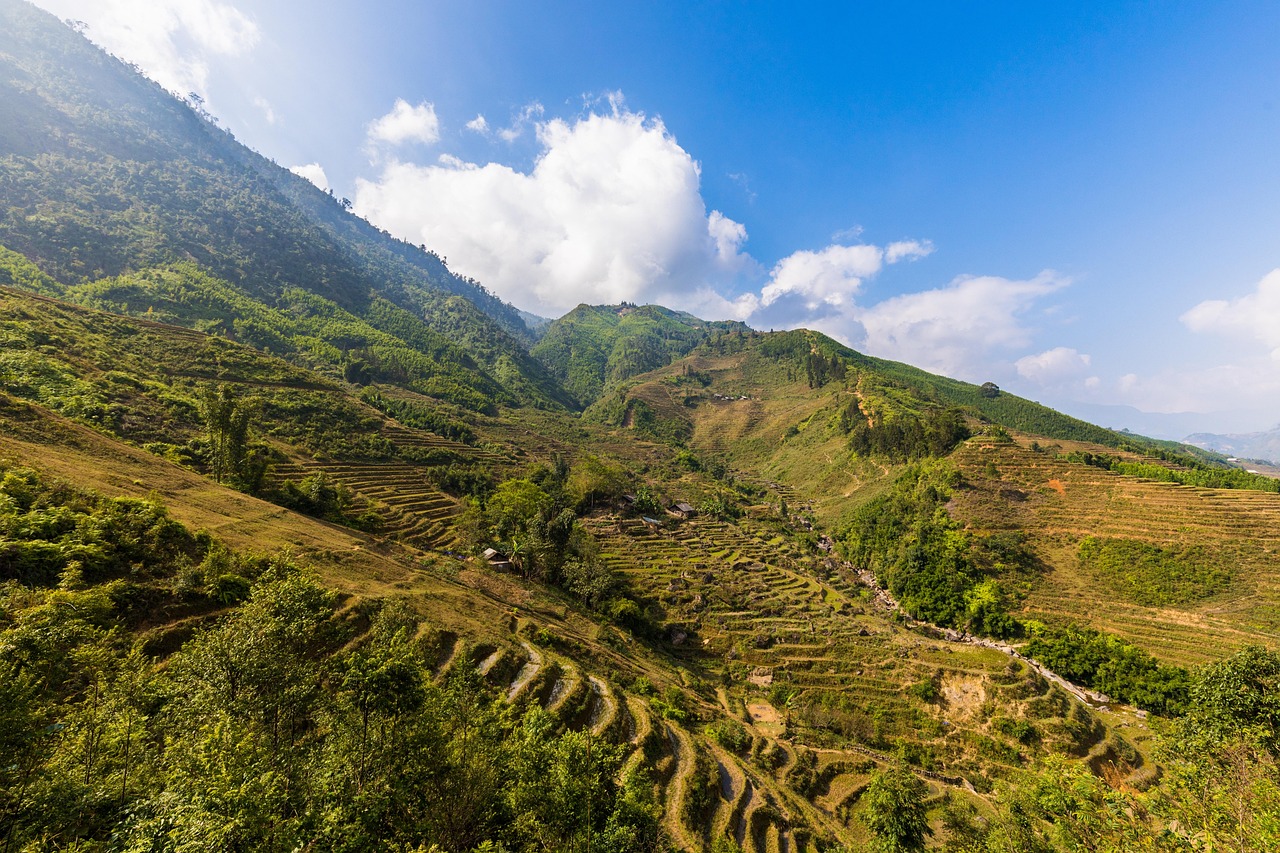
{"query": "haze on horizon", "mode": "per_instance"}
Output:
(1076, 203)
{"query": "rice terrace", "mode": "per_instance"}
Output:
(516, 503)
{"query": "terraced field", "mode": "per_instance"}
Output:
(818, 677)
(1058, 503)
(411, 508)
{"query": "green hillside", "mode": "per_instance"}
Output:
(104, 174)
(302, 549)
(595, 346)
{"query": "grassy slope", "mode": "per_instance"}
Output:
(1058, 503)
(727, 585)
(786, 433)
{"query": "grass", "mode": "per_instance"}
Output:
(1188, 574)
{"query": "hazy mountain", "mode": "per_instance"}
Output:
(1250, 445)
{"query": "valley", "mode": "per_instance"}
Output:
(307, 542)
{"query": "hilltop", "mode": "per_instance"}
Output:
(305, 543)
(597, 346)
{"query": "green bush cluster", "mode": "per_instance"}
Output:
(938, 571)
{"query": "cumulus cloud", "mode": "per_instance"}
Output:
(1054, 366)
(809, 286)
(1255, 315)
(960, 329)
(479, 125)
(314, 173)
(172, 41)
(610, 211)
(406, 123)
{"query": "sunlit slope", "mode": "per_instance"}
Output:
(103, 173)
(774, 404)
(594, 346)
(1187, 573)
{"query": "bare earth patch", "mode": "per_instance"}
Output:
(963, 694)
(1057, 486)
(766, 718)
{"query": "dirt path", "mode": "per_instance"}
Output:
(527, 672)
(682, 748)
(887, 602)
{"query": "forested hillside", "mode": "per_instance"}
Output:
(302, 549)
(104, 174)
(595, 346)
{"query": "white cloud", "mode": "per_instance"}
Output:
(808, 285)
(528, 115)
(406, 123)
(610, 211)
(960, 330)
(265, 106)
(171, 40)
(314, 173)
(1248, 385)
(907, 250)
(1054, 366)
(1255, 315)
(479, 125)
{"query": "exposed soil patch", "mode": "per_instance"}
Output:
(1057, 486)
(963, 694)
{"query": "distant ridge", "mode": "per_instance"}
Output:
(1264, 446)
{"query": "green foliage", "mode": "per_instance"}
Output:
(895, 811)
(594, 347)
(937, 570)
(1238, 696)
(50, 530)
(419, 415)
(226, 419)
(1199, 473)
(262, 732)
(730, 734)
(1111, 665)
(906, 437)
(1150, 575)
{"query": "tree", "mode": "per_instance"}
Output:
(226, 418)
(895, 811)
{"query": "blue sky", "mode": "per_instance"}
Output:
(1080, 202)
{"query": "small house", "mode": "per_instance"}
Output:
(496, 559)
(683, 510)
(651, 523)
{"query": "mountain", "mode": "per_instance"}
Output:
(301, 549)
(105, 175)
(1263, 446)
(595, 346)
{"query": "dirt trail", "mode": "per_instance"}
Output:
(527, 672)
(682, 748)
